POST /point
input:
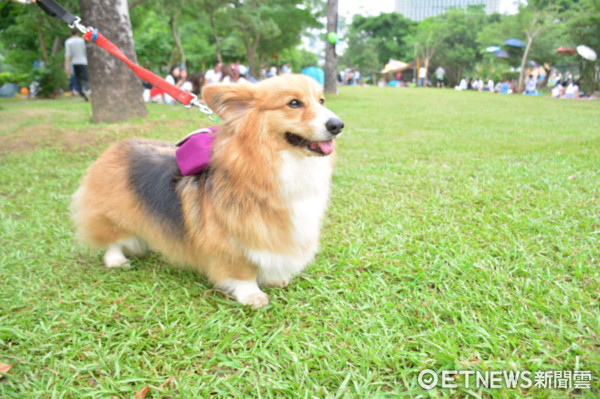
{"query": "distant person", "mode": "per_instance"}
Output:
(505, 88)
(462, 85)
(356, 77)
(227, 74)
(286, 68)
(558, 90)
(478, 84)
(530, 86)
(194, 83)
(214, 75)
(75, 55)
(263, 72)
(243, 73)
(489, 85)
(498, 87)
(422, 76)
(572, 91)
(174, 78)
(439, 76)
(272, 72)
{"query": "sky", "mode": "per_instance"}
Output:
(347, 8)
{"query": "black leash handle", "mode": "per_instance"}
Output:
(53, 9)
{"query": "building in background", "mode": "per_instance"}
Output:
(418, 10)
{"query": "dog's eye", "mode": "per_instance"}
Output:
(295, 103)
(322, 101)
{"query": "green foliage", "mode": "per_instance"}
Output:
(362, 53)
(459, 52)
(387, 32)
(584, 28)
(298, 58)
(22, 79)
(51, 77)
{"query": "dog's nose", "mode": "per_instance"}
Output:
(334, 125)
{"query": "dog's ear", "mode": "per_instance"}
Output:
(229, 100)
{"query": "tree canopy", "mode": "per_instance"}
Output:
(199, 32)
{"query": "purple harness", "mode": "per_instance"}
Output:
(195, 149)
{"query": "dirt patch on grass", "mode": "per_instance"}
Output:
(33, 137)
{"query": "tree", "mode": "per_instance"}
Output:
(584, 28)
(361, 53)
(390, 32)
(291, 22)
(428, 38)
(175, 7)
(458, 52)
(266, 27)
(27, 35)
(539, 16)
(210, 7)
(116, 91)
(330, 55)
(248, 18)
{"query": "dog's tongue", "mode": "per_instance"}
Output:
(325, 146)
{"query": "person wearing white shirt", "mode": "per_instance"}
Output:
(214, 75)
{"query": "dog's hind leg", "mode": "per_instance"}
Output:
(115, 254)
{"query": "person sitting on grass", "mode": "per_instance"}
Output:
(530, 86)
(572, 91)
(558, 90)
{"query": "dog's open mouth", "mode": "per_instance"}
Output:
(319, 147)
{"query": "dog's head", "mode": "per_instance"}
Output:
(289, 108)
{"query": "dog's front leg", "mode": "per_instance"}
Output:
(245, 292)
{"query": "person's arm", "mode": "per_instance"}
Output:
(68, 59)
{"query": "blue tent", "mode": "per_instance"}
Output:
(316, 73)
(514, 43)
(9, 90)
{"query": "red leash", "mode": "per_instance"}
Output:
(53, 9)
(92, 35)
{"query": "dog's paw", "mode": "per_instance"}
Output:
(276, 284)
(113, 261)
(256, 300)
(245, 292)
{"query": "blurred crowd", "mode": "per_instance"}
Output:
(219, 73)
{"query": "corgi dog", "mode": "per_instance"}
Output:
(251, 218)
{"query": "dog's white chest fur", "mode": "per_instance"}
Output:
(305, 184)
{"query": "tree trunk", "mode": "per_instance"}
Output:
(214, 32)
(330, 55)
(251, 52)
(116, 91)
(42, 43)
(56, 46)
(176, 37)
(524, 61)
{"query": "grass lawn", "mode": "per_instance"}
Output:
(463, 234)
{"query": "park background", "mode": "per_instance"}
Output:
(196, 33)
(463, 234)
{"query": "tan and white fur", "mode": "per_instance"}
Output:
(252, 218)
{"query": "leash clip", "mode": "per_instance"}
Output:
(80, 27)
(203, 108)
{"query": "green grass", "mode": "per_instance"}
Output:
(463, 234)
